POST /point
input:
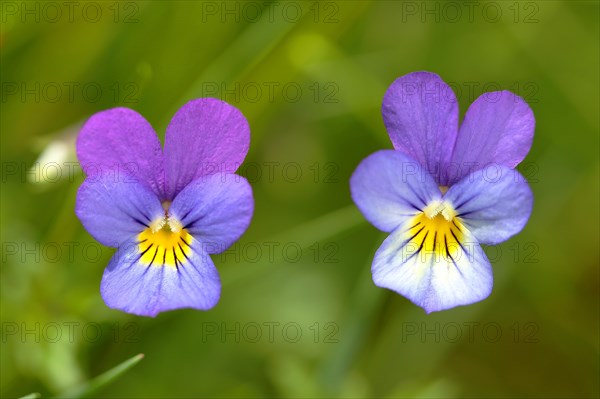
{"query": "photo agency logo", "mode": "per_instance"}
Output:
(272, 92)
(267, 172)
(526, 332)
(51, 12)
(69, 331)
(271, 332)
(518, 12)
(70, 92)
(325, 12)
(451, 92)
(491, 172)
(268, 251)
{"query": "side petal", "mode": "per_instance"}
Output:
(493, 203)
(420, 113)
(121, 139)
(215, 209)
(115, 209)
(436, 276)
(498, 128)
(388, 187)
(206, 136)
(131, 285)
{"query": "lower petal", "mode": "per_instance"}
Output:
(136, 283)
(436, 266)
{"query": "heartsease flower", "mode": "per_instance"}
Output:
(165, 211)
(432, 255)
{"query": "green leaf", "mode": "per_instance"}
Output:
(88, 388)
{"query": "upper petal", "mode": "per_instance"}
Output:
(205, 136)
(494, 203)
(388, 187)
(215, 209)
(131, 285)
(498, 128)
(420, 113)
(433, 269)
(115, 208)
(121, 139)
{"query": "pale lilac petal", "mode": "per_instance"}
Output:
(215, 209)
(431, 281)
(114, 210)
(493, 203)
(120, 140)
(388, 187)
(498, 128)
(146, 290)
(206, 136)
(420, 113)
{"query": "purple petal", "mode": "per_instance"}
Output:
(215, 209)
(420, 113)
(114, 210)
(206, 136)
(498, 128)
(146, 290)
(121, 139)
(494, 203)
(432, 281)
(388, 187)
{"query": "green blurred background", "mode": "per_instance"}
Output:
(299, 315)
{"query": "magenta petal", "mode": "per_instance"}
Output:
(121, 140)
(420, 113)
(206, 136)
(498, 128)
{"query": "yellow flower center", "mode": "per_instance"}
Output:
(165, 242)
(436, 231)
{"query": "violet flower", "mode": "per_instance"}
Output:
(171, 209)
(444, 189)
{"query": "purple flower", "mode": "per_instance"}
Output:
(165, 211)
(432, 255)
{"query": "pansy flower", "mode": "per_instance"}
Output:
(165, 210)
(444, 190)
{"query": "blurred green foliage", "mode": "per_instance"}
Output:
(538, 333)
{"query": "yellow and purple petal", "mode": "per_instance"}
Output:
(420, 113)
(493, 203)
(215, 209)
(389, 187)
(435, 263)
(206, 136)
(115, 209)
(146, 286)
